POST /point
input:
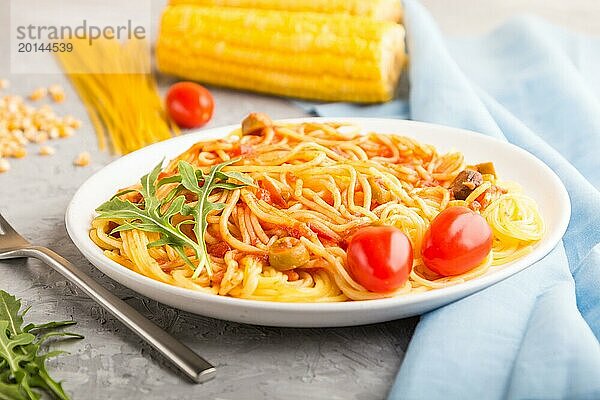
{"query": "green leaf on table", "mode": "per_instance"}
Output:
(23, 370)
(8, 345)
(48, 325)
(43, 378)
(9, 390)
(9, 312)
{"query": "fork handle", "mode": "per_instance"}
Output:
(194, 366)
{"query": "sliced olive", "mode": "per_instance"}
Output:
(486, 168)
(380, 193)
(465, 183)
(254, 123)
(288, 253)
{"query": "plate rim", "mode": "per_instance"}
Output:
(84, 244)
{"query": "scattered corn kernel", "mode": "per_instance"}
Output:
(4, 165)
(38, 94)
(21, 124)
(57, 93)
(4, 84)
(19, 152)
(71, 121)
(65, 131)
(40, 137)
(54, 133)
(83, 159)
(46, 151)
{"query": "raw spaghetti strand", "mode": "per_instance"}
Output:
(114, 82)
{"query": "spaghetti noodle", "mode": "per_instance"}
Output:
(315, 183)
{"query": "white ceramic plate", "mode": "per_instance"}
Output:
(511, 163)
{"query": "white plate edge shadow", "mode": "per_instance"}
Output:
(78, 217)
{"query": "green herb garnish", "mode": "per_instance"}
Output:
(22, 363)
(155, 215)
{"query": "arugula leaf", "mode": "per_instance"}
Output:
(150, 218)
(215, 179)
(245, 179)
(9, 312)
(43, 379)
(48, 325)
(8, 344)
(125, 191)
(156, 214)
(200, 211)
(8, 390)
(22, 364)
(199, 174)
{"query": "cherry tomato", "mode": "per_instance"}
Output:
(457, 241)
(190, 105)
(380, 258)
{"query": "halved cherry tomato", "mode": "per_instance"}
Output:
(457, 241)
(380, 258)
(190, 105)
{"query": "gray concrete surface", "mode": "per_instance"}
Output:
(253, 362)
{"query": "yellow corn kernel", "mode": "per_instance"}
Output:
(390, 10)
(65, 131)
(46, 151)
(57, 93)
(38, 94)
(4, 165)
(54, 133)
(4, 84)
(21, 124)
(71, 121)
(332, 57)
(19, 152)
(40, 137)
(83, 159)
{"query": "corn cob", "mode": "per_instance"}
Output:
(384, 10)
(331, 57)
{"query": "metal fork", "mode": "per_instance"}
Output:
(13, 245)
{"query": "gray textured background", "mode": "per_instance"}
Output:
(253, 362)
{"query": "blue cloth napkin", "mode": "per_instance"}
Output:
(534, 335)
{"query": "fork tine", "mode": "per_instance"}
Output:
(5, 226)
(9, 237)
